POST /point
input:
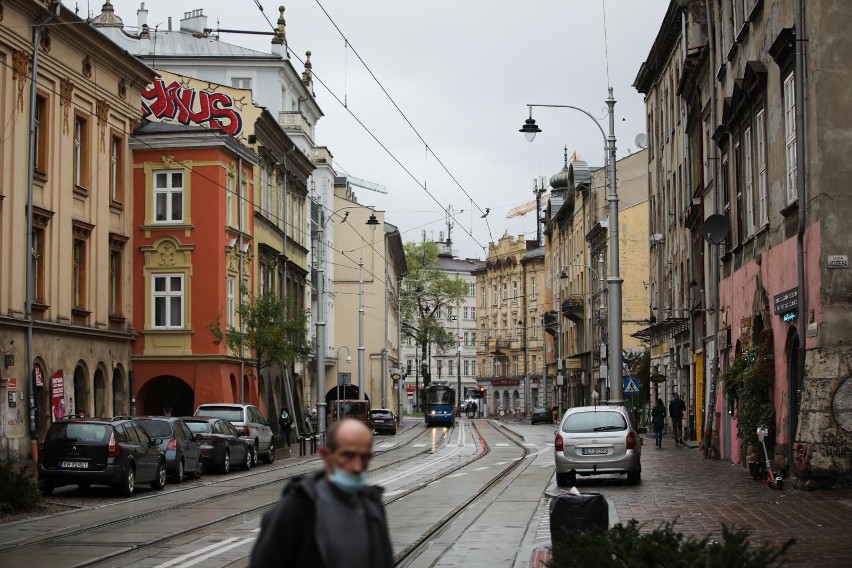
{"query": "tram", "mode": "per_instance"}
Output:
(439, 405)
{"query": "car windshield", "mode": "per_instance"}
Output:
(156, 428)
(380, 413)
(594, 422)
(198, 426)
(230, 413)
(78, 432)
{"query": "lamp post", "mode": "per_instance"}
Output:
(339, 377)
(371, 222)
(615, 355)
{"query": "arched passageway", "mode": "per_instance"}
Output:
(166, 395)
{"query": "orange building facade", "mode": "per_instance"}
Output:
(192, 250)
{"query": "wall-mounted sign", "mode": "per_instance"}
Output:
(838, 261)
(786, 301)
(39, 380)
(505, 382)
(57, 395)
(12, 383)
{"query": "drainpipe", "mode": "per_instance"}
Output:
(240, 276)
(801, 195)
(712, 356)
(28, 253)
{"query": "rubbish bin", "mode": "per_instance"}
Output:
(571, 514)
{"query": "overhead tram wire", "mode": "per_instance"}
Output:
(379, 142)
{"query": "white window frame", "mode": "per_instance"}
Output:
(79, 140)
(471, 289)
(165, 296)
(790, 136)
(167, 193)
(748, 166)
(760, 134)
(229, 202)
(532, 288)
(230, 293)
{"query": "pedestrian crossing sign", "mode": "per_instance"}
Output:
(631, 386)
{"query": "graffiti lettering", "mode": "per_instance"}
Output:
(837, 445)
(801, 457)
(191, 106)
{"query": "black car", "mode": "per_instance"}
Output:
(541, 414)
(88, 452)
(382, 420)
(220, 443)
(183, 453)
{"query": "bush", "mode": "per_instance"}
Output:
(18, 488)
(626, 547)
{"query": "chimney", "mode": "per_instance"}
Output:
(142, 15)
(194, 21)
(143, 31)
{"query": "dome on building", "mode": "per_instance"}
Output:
(561, 180)
(107, 17)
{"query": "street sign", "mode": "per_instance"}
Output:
(631, 386)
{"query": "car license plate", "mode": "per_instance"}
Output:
(74, 464)
(594, 451)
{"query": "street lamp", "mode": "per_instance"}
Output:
(371, 222)
(530, 129)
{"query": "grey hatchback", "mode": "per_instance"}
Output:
(594, 440)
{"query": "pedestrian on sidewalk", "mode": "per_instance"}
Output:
(329, 518)
(676, 409)
(286, 424)
(658, 419)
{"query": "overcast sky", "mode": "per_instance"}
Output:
(462, 72)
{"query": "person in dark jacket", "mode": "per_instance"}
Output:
(676, 410)
(658, 419)
(285, 422)
(330, 518)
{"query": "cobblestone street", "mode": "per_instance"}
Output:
(678, 484)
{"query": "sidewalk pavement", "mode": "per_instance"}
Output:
(679, 485)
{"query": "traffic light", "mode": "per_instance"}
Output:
(481, 393)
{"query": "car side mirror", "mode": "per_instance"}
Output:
(198, 437)
(269, 423)
(156, 441)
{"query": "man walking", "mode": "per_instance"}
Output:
(306, 527)
(676, 409)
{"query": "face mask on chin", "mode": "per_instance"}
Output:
(348, 482)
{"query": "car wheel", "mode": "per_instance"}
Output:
(128, 486)
(199, 471)
(562, 479)
(226, 463)
(249, 459)
(180, 472)
(47, 489)
(633, 477)
(255, 453)
(160, 481)
(270, 455)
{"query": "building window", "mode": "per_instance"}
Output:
(41, 134)
(81, 151)
(471, 289)
(230, 296)
(116, 169)
(748, 165)
(505, 292)
(241, 82)
(466, 367)
(473, 366)
(78, 274)
(466, 312)
(532, 288)
(168, 301)
(515, 290)
(168, 197)
(38, 265)
(760, 134)
(494, 297)
(229, 202)
(115, 273)
(450, 363)
(473, 313)
(482, 289)
(790, 135)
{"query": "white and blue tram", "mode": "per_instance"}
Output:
(439, 405)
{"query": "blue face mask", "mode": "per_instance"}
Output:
(348, 482)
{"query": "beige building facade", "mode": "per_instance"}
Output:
(87, 96)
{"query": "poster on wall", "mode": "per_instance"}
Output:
(57, 395)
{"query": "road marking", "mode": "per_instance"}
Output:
(481, 468)
(419, 445)
(547, 465)
(385, 445)
(529, 444)
(210, 551)
(502, 445)
(456, 475)
(501, 463)
(432, 462)
(392, 493)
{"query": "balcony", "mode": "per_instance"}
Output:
(294, 120)
(573, 308)
(497, 345)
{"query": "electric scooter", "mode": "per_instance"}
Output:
(773, 476)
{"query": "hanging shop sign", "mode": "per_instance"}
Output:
(786, 302)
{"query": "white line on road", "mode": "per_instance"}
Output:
(419, 445)
(502, 445)
(210, 550)
(481, 468)
(456, 475)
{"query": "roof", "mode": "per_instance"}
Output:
(185, 44)
(669, 327)
(452, 264)
(534, 254)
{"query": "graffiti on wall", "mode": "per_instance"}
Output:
(837, 445)
(801, 457)
(188, 105)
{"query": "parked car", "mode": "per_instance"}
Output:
(382, 420)
(249, 422)
(595, 440)
(183, 454)
(220, 443)
(541, 414)
(88, 452)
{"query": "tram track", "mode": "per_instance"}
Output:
(60, 536)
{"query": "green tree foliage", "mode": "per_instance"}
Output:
(626, 546)
(427, 292)
(274, 332)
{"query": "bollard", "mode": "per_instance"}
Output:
(302, 450)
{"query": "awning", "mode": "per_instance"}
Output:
(669, 327)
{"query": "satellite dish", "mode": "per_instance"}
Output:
(715, 229)
(641, 140)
